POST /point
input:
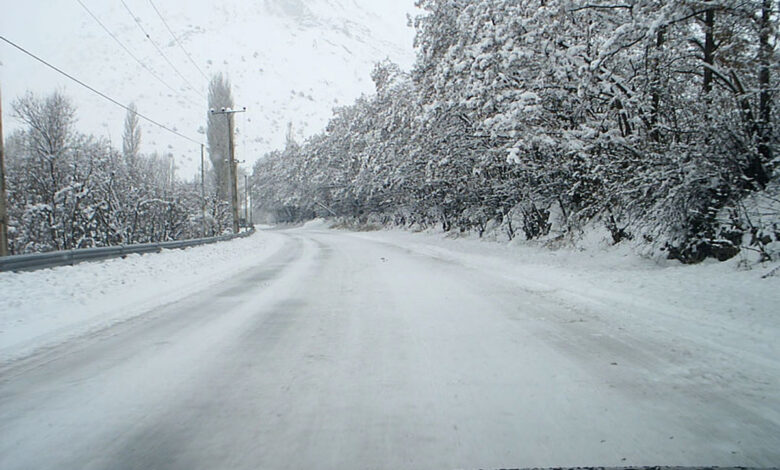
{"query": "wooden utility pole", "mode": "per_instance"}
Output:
(246, 200)
(233, 163)
(3, 206)
(203, 189)
(233, 175)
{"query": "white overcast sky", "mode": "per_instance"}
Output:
(289, 61)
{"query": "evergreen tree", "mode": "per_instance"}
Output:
(131, 137)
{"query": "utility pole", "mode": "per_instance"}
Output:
(246, 200)
(251, 210)
(3, 207)
(203, 189)
(232, 160)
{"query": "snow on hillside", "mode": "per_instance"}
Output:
(288, 60)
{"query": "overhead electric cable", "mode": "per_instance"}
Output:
(99, 93)
(130, 53)
(189, 56)
(159, 50)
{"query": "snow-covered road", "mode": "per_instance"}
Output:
(338, 350)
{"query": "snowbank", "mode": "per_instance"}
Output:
(316, 224)
(713, 300)
(51, 305)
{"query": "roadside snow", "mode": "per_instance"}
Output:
(49, 306)
(316, 224)
(718, 323)
(721, 294)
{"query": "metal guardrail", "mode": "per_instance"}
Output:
(33, 261)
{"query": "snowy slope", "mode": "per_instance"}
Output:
(289, 61)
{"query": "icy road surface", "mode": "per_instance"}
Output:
(336, 350)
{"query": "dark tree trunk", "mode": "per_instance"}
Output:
(709, 49)
(660, 38)
(765, 97)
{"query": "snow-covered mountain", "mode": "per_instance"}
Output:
(288, 61)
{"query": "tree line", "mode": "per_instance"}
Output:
(545, 118)
(70, 190)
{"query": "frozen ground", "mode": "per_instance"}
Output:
(328, 349)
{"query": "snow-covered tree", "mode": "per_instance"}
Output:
(131, 137)
(70, 190)
(653, 118)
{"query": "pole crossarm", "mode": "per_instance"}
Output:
(228, 111)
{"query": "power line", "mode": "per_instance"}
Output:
(130, 53)
(159, 50)
(177, 40)
(99, 93)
